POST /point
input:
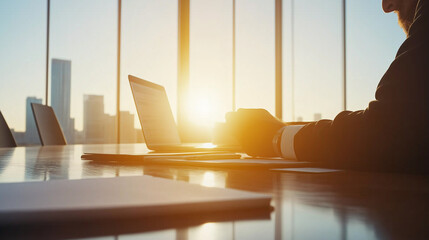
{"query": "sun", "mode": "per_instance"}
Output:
(200, 110)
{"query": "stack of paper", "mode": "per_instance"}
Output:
(140, 196)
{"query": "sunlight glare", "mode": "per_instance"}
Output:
(208, 179)
(200, 110)
(207, 145)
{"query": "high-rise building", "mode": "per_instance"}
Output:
(31, 134)
(93, 119)
(78, 137)
(128, 133)
(317, 116)
(61, 95)
(109, 128)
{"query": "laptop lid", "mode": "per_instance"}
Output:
(154, 111)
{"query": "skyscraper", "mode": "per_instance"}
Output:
(128, 133)
(317, 116)
(109, 128)
(93, 118)
(31, 134)
(61, 95)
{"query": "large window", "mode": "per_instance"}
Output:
(312, 56)
(255, 54)
(373, 39)
(22, 65)
(82, 86)
(210, 61)
(149, 51)
(83, 69)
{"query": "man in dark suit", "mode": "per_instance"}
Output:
(391, 134)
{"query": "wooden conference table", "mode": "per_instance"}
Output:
(340, 205)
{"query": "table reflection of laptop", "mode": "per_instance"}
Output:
(159, 128)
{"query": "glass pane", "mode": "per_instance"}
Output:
(149, 51)
(255, 63)
(210, 61)
(314, 89)
(372, 43)
(22, 65)
(83, 69)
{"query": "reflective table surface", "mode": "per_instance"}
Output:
(337, 205)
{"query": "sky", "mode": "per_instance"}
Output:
(85, 33)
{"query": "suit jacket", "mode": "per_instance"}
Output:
(392, 133)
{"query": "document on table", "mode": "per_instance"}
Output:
(258, 163)
(142, 196)
(306, 170)
(125, 158)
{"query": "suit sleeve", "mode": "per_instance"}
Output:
(392, 133)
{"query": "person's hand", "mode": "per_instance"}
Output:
(254, 129)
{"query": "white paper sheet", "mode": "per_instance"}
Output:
(116, 197)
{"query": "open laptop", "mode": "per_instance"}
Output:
(156, 118)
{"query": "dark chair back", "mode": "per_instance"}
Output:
(6, 137)
(49, 129)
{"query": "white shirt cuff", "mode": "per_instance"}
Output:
(286, 144)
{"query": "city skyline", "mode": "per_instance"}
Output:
(99, 127)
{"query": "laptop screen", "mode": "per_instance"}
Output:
(154, 112)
